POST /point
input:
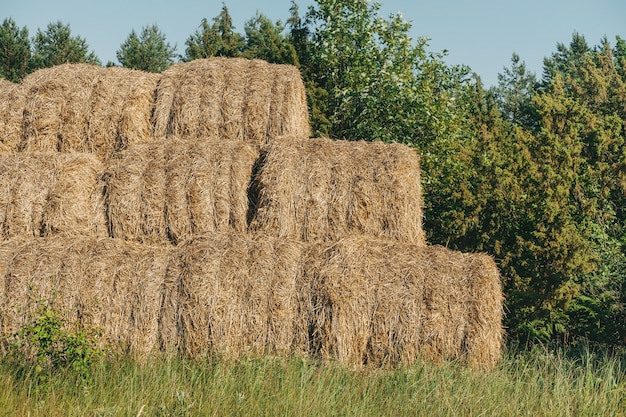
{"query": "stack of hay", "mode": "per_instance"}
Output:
(191, 211)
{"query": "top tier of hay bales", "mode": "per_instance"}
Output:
(86, 108)
(322, 190)
(11, 109)
(231, 99)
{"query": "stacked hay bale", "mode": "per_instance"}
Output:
(239, 295)
(109, 285)
(86, 108)
(44, 194)
(387, 302)
(11, 108)
(231, 99)
(322, 190)
(172, 190)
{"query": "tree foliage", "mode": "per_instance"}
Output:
(14, 51)
(148, 52)
(56, 46)
(217, 39)
(266, 40)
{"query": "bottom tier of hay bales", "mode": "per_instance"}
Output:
(51, 193)
(355, 301)
(101, 284)
(172, 190)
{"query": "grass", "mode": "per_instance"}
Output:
(534, 383)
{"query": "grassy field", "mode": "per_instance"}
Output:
(532, 383)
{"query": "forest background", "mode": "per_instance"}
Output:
(531, 170)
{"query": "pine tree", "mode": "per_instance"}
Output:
(14, 51)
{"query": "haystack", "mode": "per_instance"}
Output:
(44, 194)
(321, 190)
(385, 302)
(231, 99)
(57, 107)
(239, 296)
(102, 284)
(11, 109)
(174, 189)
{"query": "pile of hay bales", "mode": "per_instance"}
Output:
(172, 190)
(231, 99)
(45, 193)
(191, 212)
(322, 190)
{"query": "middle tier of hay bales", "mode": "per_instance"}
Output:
(171, 190)
(322, 190)
(356, 301)
(51, 193)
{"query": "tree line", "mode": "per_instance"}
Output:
(531, 170)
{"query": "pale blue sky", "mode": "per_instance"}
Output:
(482, 34)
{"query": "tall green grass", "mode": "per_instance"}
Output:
(533, 383)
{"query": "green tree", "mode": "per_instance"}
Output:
(217, 39)
(547, 201)
(265, 40)
(514, 93)
(56, 46)
(149, 52)
(14, 51)
(380, 84)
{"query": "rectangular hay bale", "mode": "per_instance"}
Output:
(321, 190)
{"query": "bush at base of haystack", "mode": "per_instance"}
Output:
(51, 193)
(321, 190)
(231, 99)
(174, 189)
